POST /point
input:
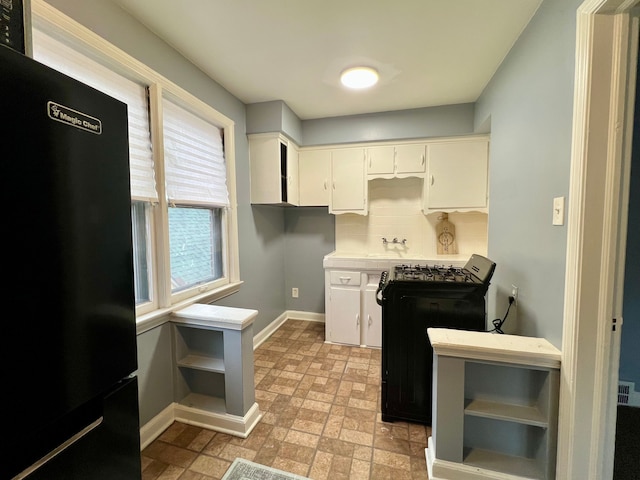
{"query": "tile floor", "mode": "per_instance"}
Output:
(321, 419)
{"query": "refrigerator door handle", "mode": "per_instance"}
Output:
(60, 448)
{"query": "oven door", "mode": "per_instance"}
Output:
(407, 356)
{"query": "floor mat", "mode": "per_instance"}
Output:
(242, 469)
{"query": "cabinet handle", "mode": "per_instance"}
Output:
(345, 279)
(369, 318)
(369, 161)
(358, 319)
(334, 184)
(422, 161)
(432, 179)
(325, 184)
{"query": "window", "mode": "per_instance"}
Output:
(182, 171)
(197, 195)
(141, 252)
(195, 246)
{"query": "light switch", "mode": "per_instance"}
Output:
(558, 211)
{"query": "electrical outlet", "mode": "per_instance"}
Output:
(294, 292)
(514, 293)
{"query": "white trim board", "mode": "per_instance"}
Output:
(595, 247)
(269, 330)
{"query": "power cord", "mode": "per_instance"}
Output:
(497, 323)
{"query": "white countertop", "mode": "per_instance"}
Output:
(386, 262)
(215, 316)
(495, 347)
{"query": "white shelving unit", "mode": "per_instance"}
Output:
(213, 357)
(495, 398)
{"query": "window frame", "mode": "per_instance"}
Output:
(163, 302)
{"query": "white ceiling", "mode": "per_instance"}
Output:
(428, 52)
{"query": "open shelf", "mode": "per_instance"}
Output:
(202, 362)
(204, 402)
(499, 462)
(528, 415)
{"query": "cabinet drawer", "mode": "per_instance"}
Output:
(345, 278)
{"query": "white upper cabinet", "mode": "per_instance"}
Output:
(388, 161)
(314, 175)
(348, 182)
(274, 169)
(410, 159)
(291, 175)
(454, 172)
(381, 160)
(456, 178)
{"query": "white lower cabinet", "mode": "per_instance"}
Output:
(352, 315)
(343, 325)
(371, 313)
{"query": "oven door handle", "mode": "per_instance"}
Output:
(381, 285)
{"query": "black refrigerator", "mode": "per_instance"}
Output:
(69, 344)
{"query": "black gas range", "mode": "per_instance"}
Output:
(477, 272)
(413, 299)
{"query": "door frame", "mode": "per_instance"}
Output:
(596, 237)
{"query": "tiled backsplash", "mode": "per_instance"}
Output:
(395, 211)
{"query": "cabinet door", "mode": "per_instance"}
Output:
(264, 156)
(457, 175)
(348, 193)
(314, 174)
(410, 158)
(292, 174)
(274, 169)
(343, 324)
(380, 160)
(372, 314)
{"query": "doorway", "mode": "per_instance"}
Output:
(626, 459)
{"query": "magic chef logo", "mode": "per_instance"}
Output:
(72, 117)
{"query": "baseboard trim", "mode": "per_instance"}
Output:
(270, 329)
(220, 422)
(154, 428)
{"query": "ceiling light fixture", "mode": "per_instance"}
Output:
(359, 77)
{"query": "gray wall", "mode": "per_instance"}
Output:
(443, 121)
(530, 105)
(309, 236)
(274, 116)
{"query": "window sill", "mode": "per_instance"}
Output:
(153, 319)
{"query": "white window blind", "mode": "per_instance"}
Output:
(65, 59)
(195, 169)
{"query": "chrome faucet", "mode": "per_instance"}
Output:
(395, 240)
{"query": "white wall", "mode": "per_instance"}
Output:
(395, 211)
